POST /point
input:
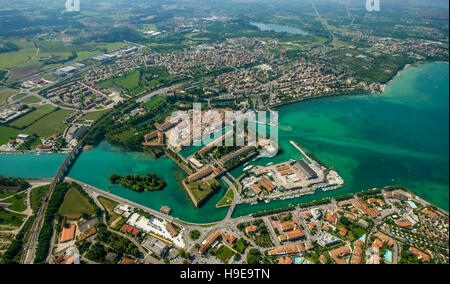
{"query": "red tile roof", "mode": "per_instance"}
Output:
(129, 229)
(67, 234)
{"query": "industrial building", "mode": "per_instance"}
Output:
(305, 169)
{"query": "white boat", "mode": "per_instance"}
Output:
(269, 164)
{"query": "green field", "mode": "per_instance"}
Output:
(5, 93)
(93, 115)
(227, 198)
(74, 203)
(5, 194)
(154, 102)
(6, 133)
(128, 81)
(12, 59)
(44, 121)
(50, 124)
(19, 96)
(17, 202)
(115, 220)
(36, 196)
(145, 78)
(32, 116)
(50, 52)
(203, 189)
(11, 219)
(108, 204)
(224, 254)
(31, 100)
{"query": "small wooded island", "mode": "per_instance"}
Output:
(150, 182)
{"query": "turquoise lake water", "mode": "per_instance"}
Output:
(399, 137)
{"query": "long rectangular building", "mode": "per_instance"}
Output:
(205, 171)
(305, 169)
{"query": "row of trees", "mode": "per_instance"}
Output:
(13, 182)
(47, 229)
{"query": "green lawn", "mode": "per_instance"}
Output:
(93, 115)
(154, 102)
(17, 202)
(5, 194)
(5, 93)
(32, 116)
(75, 203)
(36, 196)
(227, 198)
(108, 204)
(19, 96)
(11, 219)
(202, 189)
(128, 81)
(31, 100)
(224, 254)
(6, 133)
(116, 221)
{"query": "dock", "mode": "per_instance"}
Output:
(301, 151)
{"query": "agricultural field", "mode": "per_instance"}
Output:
(6, 133)
(32, 116)
(27, 50)
(36, 55)
(74, 203)
(50, 124)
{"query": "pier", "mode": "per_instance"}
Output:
(301, 151)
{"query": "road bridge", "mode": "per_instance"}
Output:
(31, 244)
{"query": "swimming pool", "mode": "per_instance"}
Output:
(388, 255)
(298, 260)
(412, 204)
(363, 238)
